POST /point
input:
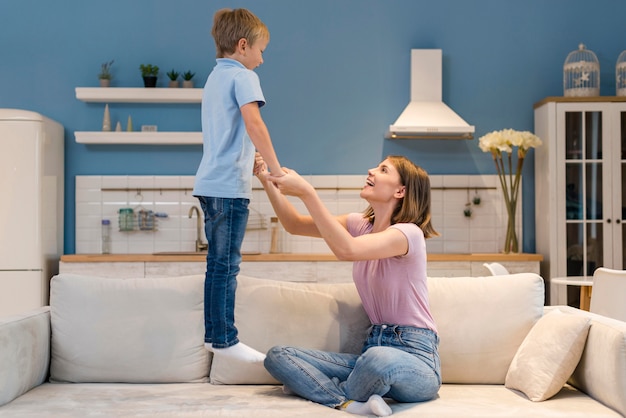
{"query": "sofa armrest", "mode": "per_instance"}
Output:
(601, 372)
(24, 352)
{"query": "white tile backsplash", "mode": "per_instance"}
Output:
(483, 232)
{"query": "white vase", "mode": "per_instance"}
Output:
(106, 121)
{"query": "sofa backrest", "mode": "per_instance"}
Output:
(481, 322)
(151, 330)
(127, 330)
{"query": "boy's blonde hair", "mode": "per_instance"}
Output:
(230, 25)
(414, 207)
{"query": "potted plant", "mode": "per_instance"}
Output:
(149, 73)
(173, 75)
(105, 74)
(187, 79)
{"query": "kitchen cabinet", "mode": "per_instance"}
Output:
(139, 95)
(580, 180)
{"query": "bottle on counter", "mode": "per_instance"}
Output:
(106, 236)
(279, 238)
(274, 235)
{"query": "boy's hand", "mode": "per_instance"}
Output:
(260, 168)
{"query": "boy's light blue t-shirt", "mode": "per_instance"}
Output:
(228, 153)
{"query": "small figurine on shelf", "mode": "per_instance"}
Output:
(187, 79)
(106, 121)
(129, 124)
(105, 74)
(173, 75)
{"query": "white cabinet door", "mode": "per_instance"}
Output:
(579, 175)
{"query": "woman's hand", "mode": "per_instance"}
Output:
(291, 183)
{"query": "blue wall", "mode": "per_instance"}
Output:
(336, 74)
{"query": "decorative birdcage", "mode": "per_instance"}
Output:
(581, 73)
(620, 75)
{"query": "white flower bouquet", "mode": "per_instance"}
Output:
(501, 146)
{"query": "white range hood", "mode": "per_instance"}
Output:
(426, 116)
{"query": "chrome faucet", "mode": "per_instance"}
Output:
(200, 246)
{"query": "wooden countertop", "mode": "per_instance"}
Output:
(191, 257)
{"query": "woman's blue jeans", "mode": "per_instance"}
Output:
(399, 362)
(225, 223)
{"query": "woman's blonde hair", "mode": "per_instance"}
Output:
(414, 207)
(230, 25)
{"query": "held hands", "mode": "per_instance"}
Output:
(288, 182)
(291, 183)
(260, 168)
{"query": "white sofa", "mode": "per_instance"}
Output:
(134, 347)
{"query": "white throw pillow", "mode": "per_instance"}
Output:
(127, 330)
(548, 355)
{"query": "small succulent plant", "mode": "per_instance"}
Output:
(105, 70)
(173, 75)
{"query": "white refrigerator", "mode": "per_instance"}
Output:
(31, 208)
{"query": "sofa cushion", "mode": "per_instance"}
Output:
(482, 321)
(313, 315)
(127, 330)
(24, 352)
(548, 355)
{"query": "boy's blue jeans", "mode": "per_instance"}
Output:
(225, 223)
(399, 362)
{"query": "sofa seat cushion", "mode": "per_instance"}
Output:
(205, 400)
(127, 330)
(482, 321)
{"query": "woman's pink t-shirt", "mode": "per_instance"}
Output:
(394, 290)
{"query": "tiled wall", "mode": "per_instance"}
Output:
(100, 197)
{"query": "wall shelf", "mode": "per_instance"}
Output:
(142, 138)
(138, 95)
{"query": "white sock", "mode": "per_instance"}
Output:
(240, 351)
(288, 391)
(375, 405)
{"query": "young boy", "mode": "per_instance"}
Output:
(232, 128)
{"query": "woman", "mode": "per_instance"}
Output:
(399, 358)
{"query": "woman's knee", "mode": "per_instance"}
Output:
(276, 354)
